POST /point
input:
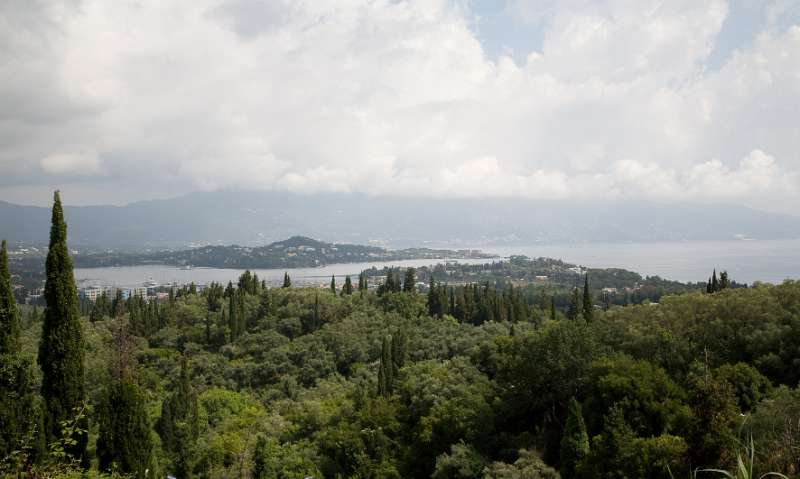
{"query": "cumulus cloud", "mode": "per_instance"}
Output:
(756, 172)
(150, 98)
(77, 164)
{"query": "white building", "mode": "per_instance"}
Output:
(140, 292)
(92, 293)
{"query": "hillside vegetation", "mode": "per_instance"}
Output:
(303, 382)
(476, 380)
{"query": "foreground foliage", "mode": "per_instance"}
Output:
(372, 386)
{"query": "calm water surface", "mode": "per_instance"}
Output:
(746, 261)
(130, 276)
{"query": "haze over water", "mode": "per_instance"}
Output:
(746, 261)
(130, 276)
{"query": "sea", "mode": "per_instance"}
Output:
(746, 261)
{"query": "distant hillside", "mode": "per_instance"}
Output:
(256, 218)
(295, 252)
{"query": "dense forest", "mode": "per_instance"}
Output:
(543, 280)
(475, 380)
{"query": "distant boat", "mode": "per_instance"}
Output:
(150, 283)
(186, 267)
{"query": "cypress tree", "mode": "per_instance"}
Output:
(724, 282)
(61, 346)
(105, 308)
(433, 298)
(19, 407)
(178, 424)
(714, 282)
(333, 284)
(316, 321)
(397, 286)
(553, 308)
(233, 322)
(588, 308)
(574, 307)
(347, 289)
(208, 327)
(388, 284)
(124, 440)
(241, 323)
(444, 300)
(386, 369)
(409, 284)
(460, 307)
(9, 319)
(287, 281)
(541, 300)
(118, 305)
(574, 441)
(399, 351)
(311, 322)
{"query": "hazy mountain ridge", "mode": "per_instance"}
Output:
(255, 218)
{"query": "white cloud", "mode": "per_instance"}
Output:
(73, 164)
(757, 172)
(394, 97)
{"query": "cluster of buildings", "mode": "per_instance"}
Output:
(93, 293)
(150, 290)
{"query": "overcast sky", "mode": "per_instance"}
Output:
(674, 100)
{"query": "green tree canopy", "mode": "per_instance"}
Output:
(61, 350)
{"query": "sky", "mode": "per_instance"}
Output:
(671, 101)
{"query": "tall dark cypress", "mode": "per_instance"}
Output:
(399, 351)
(241, 326)
(19, 408)
(315, 314)
(61, 346)
(9, 319)
(178, 424)
(287, 281)
(574, 308)
(588, 307)
(409, 283)
(386, 369)
(124, 440)
(574, 441)
(397, 286)
(724, 282)
(347, 289)
(233, 322)
(333, 284)
(714, 282)
(388, 285)
(433, 298)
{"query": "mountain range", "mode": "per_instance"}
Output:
(255, 218)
